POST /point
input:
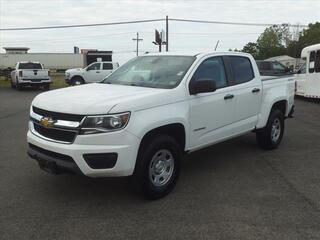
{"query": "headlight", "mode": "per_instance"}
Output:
(104, 123)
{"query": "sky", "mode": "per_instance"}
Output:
(118, 38)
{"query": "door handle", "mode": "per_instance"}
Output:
(255, 90)
(97, 71)
(228, 96)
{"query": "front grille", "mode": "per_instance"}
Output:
(55, 134)
(58, 156)
(57, 115)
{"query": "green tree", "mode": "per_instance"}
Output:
(252, 48)
(269, 44)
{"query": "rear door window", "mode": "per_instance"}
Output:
(107, 66)
(312, 61)
(317, 62)
(242, 69)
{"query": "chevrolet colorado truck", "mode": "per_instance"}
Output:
(141, 119)
(30, 74)
(94, 72)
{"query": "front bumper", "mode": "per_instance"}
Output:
(124, 144)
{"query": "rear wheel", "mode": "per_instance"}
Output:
(157, 167)
(270, 136)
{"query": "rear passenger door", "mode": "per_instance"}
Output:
(107, 68)
(247, 88)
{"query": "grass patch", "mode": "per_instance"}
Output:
(57, 81)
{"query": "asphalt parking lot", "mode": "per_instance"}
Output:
(233, 190)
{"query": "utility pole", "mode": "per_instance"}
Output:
(167, 33)
(137, 39)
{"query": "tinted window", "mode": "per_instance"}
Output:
(107, 66)
(212, 69)
(263, 65)
(152, 71)
(278, 67)
(303, 68)
(312, 61)
(30, 65)
(317, 64)
(94, 66)
(242, 69)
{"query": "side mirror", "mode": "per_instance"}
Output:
(202, 86)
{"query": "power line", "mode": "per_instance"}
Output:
(146, 21)
(81, 25)
(234, 23)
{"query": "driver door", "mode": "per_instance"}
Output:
(212, 113)
(93, 73)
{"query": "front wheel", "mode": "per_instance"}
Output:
(77, 81)
(158, 166)
(12, 84)
(271, 135)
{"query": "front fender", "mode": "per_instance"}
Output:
(143, 121)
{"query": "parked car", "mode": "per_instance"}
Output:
(308, 76)
(141, 119)
(272, 68)
(30, 74)
(95, 72)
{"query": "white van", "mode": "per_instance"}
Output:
(308, 76)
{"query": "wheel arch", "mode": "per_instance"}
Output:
(77, 76)
(175, 130)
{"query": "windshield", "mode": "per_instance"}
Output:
(152, 71)
(30, 65)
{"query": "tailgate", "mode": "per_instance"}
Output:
(40, 74)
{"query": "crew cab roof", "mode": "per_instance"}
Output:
(196, 54)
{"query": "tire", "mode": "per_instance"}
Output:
(77, 81)
(18, 86)
(271, 135)
(46, 87)
(12, 85)
(158, 166)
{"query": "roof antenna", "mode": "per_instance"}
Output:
(216, 46)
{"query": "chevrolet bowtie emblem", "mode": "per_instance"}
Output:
(47, 121)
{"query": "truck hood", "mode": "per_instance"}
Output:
(98, 98)
(75, 70)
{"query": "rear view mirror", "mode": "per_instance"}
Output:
(202, 86)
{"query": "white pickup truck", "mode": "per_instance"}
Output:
(30, 74)
(149, 112)
(94, 72)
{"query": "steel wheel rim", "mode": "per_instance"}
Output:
(161, 167)
(77, 82)
(275, 130)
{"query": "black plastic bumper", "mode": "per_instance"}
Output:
(53, 162)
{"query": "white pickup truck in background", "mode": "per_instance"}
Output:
(94, 72)
(30, 74)
(149, 112)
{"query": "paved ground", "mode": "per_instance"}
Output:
(232, 190)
